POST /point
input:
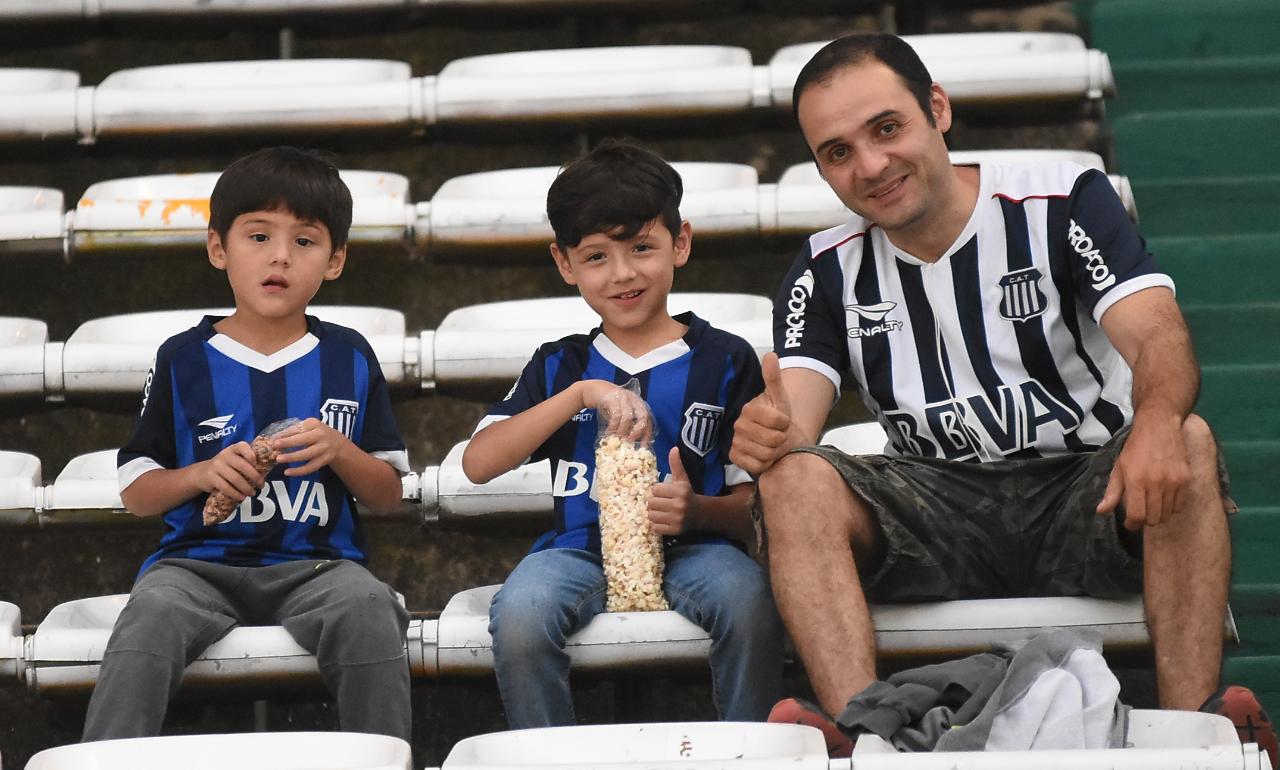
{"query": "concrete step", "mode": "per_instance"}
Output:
(1255, 472)
(1209, 207)
(1235, 334)
(1209, 84)
(1226, 269)
(1130, 30)
(1241, 402)
(1196, 144)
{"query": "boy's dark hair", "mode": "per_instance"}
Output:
(302, 182)
(890, 50)
(616, 188)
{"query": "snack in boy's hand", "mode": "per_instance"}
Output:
(218, 507)
(632, 553)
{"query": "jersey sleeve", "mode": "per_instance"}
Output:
(151, 446)
(1109, 259)
(380, 436)
(748, 382)
(808, 331)
(529, 390)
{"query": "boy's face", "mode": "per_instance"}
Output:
(275, 262)
(626, 282)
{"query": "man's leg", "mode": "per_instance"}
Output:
(355, 626)
(1186, 574)
(549, 595)
(817, 531)
(172, 616)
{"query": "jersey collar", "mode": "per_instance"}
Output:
(656, 357)
(249, 357)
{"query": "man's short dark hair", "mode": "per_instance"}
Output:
(302, 182)
(891, 50)
(616, 188)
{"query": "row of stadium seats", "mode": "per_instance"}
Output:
(567, 84)
(64, 652)
(497, 209)
(475, 348)
(1155, 739)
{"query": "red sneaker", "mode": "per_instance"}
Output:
(1241, 706)
(801, 712)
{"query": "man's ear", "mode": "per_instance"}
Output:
(562, 264)
(217, 254)
(336, 262)
(940, 107)
(683, 243)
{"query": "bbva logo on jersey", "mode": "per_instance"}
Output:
(701, 428)
(309, 503)
(340, 415)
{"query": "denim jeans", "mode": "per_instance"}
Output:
(552, 593)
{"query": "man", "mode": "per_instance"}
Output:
(1031, 367)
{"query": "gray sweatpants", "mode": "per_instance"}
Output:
(336, 610)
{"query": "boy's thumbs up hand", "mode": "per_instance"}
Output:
(760, 435)
(671, 502)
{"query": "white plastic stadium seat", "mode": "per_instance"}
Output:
(983, 67)
(244, 751)
(508, 207)
(22, 356)
(65, 652)
(20, 479)
(112, 355)
(38, 103)
(445, 493)
(481, 345)
(32, 219)
(11, 643)
(88, 482)
(801, 202)
(596, 82)
(173, 209)
(255, 95)
(1159, 739)
(688, 746)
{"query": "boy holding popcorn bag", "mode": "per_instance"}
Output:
(659, 394)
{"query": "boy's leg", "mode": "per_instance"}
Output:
(355, 626)
(549, 595)
(173, 614)
(725, 592)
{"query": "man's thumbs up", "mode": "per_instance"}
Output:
(761, 432)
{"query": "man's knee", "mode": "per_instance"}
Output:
(1202, 447)
(798, 475)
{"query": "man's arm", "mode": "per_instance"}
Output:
(789, 414)
(1148, 330)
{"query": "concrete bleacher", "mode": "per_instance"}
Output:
(386, 110)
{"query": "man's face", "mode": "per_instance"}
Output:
(875, 147)
(626, 281)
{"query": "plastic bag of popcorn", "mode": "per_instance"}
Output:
(218, 507)
(626, 470)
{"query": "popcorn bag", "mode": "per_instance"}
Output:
(218, 507)
(626, 470)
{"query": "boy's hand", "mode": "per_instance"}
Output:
(627, 413)
(671, 502)
(232, 473)
(320, 446)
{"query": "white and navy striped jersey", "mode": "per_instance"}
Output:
(206, 391)
(994, 351)
(695, 387)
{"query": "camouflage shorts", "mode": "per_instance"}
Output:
(1010, 528)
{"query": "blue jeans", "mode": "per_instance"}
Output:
(552, 593)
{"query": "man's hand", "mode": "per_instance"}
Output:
(1150, 473)
(671, 503)
(231, 472)
(320, 446)
(761, 434)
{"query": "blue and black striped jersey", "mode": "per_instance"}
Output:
(695, 387)
(995, 350)
(206, 391)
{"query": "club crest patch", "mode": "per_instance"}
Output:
(701, 428)
(1022, 299)
(340, 415)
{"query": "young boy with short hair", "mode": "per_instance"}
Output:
(618, 239)
(291, 551)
